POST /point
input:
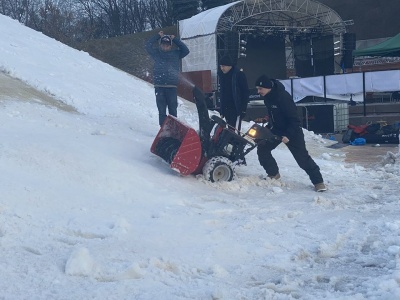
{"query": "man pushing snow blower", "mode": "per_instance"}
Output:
(215, 155)
(283, 120)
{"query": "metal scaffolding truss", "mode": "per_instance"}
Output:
(282, 17)
(375, 61)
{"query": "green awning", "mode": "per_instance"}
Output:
(388, 48)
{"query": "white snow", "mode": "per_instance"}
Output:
(87, 212)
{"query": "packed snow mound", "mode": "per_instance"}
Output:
(391, 163)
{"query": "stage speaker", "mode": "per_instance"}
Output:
(302, 58)
(349, 44)
(229, 45)
(323, 55)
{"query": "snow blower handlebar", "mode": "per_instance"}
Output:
(205, 124)
(256, 132)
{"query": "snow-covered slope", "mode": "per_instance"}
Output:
(87, 212)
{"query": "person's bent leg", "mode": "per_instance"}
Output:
(267, 161)
(298, 149)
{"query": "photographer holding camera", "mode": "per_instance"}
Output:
(166, 71)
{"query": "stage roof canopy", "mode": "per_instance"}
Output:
(203, 23)
(270, 17)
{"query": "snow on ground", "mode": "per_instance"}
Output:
(87, 212)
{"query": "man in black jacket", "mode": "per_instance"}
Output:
(284, 121)
(166, 71)
(234, 92)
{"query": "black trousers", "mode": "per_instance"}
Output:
(297, 147)
(233, 119)
(166, 97)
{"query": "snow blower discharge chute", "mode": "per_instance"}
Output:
(214, 150)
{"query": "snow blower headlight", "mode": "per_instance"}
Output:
(252, 132)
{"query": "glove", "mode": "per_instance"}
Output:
(261, 120)
(242, 114)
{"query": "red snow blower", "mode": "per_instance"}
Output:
(215, 155)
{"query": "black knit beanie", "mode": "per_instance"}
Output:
(264, 81)
(226, 60)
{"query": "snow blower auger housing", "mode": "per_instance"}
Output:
(194, 152)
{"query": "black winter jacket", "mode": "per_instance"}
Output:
(240, 92)
(166, 63)
(282, 112)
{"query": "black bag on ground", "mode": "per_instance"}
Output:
(373, 133)
(388, 134)
(348, 136)
(373, 128)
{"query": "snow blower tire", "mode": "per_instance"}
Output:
(218, 168)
